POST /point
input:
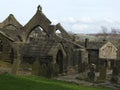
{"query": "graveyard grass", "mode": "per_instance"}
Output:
(9, 82)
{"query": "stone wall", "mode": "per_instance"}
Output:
(6, 52)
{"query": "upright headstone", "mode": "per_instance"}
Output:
(115, 75)
(55, 70)
(49, 70)
(36, 67)
(83, 71)
(102, 76)
(91, 73)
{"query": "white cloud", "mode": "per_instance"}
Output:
(108, 20)
(80, 27)
(85, 24)
(86, 20)
(85, 28)
(69, 20)
(73, 20)
(76, 25)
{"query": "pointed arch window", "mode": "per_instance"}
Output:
(37, 34)
(58, 33)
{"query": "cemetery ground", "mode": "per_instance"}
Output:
(10, 82)
(26, 81)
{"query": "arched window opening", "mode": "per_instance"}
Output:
(37, 34)
(58, 33)
(59, 61)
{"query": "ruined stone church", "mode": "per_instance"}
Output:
(40, 42)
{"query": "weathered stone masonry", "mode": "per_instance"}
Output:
(38, 43)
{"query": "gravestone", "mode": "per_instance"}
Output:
(55, 70)
(91, 73)
(83, 71)
(36, 67)
(91, 76)
(39, 69)
(43, 70)
(115, 75)
(83, 75)
(82, 67)
(70, 70)
(49, 70)
(102, 76)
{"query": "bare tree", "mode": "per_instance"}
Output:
(115, 30)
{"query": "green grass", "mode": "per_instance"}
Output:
(9, 82)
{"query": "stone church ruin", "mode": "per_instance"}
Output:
(39, 44)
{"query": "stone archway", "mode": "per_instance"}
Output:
(35, 32)
(59, 61)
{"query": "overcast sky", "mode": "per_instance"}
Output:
(78, 16)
